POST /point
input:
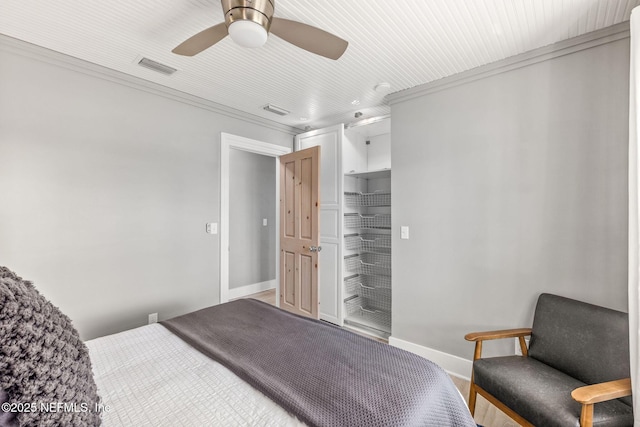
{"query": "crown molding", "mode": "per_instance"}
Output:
(29, 50)
(586, 41)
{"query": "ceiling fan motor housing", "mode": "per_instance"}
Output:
(258, 11)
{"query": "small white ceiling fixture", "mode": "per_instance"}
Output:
(383, 87)
(248, 33)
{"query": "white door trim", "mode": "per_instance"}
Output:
(228, 142)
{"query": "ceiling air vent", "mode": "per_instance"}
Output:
(276, 110)
(156, 66)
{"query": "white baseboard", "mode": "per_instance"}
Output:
(454, 365)
(253, 288)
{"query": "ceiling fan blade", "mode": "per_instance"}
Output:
(201, 41)
(309, 38)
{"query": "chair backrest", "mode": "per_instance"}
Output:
(585, 341)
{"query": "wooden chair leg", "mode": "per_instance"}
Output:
(586, 415)
(477, 353)
(472, 398)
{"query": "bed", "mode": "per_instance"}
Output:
(249, 363)
(242, 363)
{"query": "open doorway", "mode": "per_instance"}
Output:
(252, 219)
(243, 262)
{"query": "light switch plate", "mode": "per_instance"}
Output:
(264, 222)
(404, 232)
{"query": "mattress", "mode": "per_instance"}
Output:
(149, 377)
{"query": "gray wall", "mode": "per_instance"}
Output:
(512, 185)
(252, 197)
(105, 191)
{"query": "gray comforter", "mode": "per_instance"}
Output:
(322, 374)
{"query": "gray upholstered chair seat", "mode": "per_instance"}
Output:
(541, 393)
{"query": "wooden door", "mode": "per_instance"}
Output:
(299, 231)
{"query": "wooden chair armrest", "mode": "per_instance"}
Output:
(601, 392)
(478, 337)
(492, 335)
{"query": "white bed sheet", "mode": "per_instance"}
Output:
(150, 377)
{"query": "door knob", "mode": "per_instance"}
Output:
(315, 248)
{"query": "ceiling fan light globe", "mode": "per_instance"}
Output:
(247, 33)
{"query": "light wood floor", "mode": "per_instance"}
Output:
(266, 296)
(486, 415)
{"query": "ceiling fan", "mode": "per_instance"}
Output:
(248, 23)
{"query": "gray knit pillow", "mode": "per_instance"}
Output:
(43, 362)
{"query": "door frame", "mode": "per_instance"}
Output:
(228, 142)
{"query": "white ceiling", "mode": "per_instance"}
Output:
(403, 42)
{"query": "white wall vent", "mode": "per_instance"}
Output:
(156, 66)
(276, 110)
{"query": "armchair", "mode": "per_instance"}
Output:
(574, 373)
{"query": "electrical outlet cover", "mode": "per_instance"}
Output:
(212, 228)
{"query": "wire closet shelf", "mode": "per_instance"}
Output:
(375, 289)
(377, 198)
(367, 263)
(356, 220)
(368, 242)
(360, 308)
